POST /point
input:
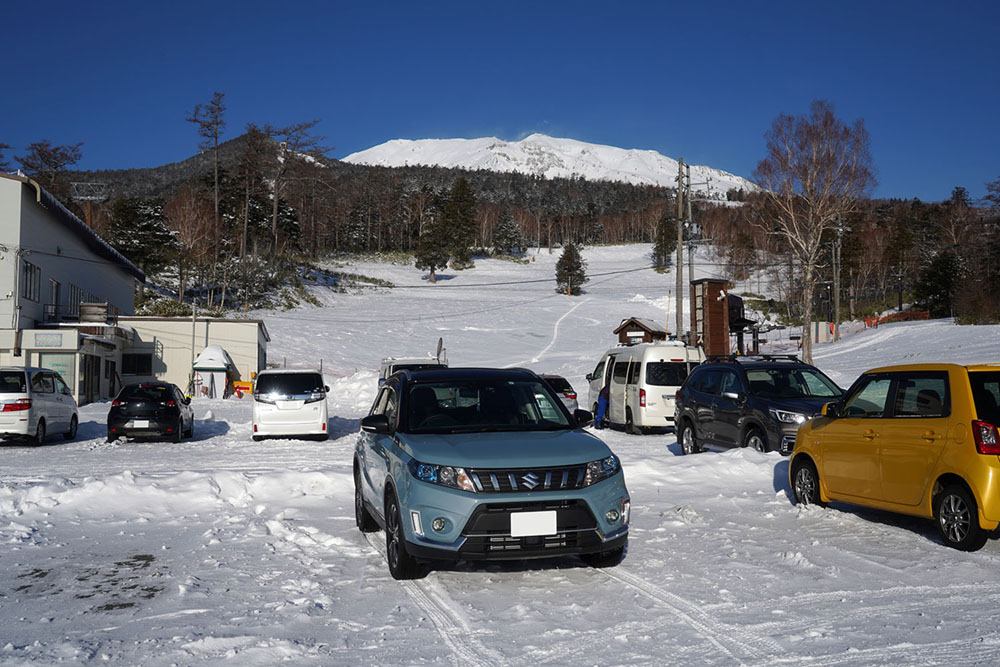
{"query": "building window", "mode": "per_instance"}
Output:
(137, 364)
(31, 281)
(75, 297)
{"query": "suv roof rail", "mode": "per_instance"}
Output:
(754, 357)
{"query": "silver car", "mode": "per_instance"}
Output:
(35, 403)
(563, 390)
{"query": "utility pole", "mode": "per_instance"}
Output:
(679, 264)
(836, 282)
(689, 224)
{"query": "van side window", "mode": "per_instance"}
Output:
(61, 386)
(621, 368)
(633, 373)
(922, 395)
(42, 382)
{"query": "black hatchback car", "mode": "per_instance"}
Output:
(749, 401)
(151, 410)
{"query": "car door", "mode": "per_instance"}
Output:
(913, 438)
(46, 390)
(377, 447)
(727, 408)
(632, 390)
(65, 396)
(616, 393)
(850, 442)
(704, 390)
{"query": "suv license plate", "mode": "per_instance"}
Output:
(526, 524)
(140, 423)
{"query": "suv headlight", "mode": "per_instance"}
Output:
(450, 476)
(602, 469)
(786, 417)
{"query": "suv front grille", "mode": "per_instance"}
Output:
(527, 479)
(488, 530)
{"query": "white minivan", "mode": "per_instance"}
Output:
(290, 402)
(643, 380)
(35, 403)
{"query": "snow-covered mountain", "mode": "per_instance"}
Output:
(550, 157)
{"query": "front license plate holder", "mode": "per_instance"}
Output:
(529, 524)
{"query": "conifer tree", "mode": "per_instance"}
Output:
(459, 218)
(571, 271)
(665, 242)
(507, 235)
(432, 247)
(138, 230)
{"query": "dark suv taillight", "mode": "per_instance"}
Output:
(987, 439)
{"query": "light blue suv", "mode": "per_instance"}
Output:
(485, 464)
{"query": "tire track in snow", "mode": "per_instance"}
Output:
(449, 623)
(977, 650)
(735, 642)
(552, 342)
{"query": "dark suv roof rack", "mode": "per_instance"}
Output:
(734, 358)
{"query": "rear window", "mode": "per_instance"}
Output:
(12, 382)
(559, 384)
(289, 384)
(666, 373)
(986, 394)
(146, 392)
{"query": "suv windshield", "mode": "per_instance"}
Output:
(794, 382)
(289, 384)
(12, 382)
(482, 406)
(146, 393)
(666, 373)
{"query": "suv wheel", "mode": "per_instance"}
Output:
(401, 564)
(604, 558)
(755, 439)
(178, 430)
(957, 519)
(364, 520)
(689, 444)
(39, 433)
(73, 424)
(805, 483)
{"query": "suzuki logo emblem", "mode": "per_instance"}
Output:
(530, 480)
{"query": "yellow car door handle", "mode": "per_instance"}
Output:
(931, 435)
(869, 434)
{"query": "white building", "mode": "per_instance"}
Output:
(67, 299)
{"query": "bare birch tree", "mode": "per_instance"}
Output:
(816, 171)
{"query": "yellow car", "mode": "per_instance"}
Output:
(918, 439)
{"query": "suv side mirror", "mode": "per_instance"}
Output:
(187, 400)
(375, 424)
(583, 417)
(831, 409)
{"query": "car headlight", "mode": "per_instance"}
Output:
(450, 476)
(786, 417)
(602, 469)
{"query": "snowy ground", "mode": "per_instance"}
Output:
(221, 548)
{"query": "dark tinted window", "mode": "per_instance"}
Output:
(986, 394)
(794, 382)
(147, 392)
(42, 382)
(711, 382)
(12, 382)
(621, 369)
(666, 373)
(922, 395)
(560, 384)
(412, 367)
(289, 384)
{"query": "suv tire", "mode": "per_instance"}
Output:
(755, 439)
(957, 519)
(805, 484)
(689, 444)
(362, 518)
(401, 564)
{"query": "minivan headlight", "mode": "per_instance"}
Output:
(786, 417)
(601, 469)
(449, 476)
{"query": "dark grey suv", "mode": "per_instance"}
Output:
(757, 401)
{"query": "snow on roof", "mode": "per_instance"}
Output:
(213, 358)
(650, 325)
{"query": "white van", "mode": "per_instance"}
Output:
(36, 403)
(290, 402)
(643, 381)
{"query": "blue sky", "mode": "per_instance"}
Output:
(702, 80)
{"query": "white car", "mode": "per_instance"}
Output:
(290, 402)
(35, 403)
